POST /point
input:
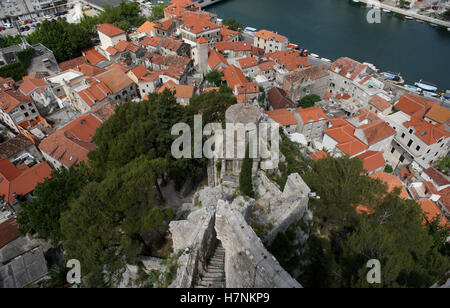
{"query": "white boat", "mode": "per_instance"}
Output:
(356, 1)
(314, 55)
(408, 17)
(387, 11)
(426, 86)
(325, 59)
(448, 29)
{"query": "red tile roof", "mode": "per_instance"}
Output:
(269, 35)
(115, 79)
(278, 99)
(437, 177)
(438, 114)
(282, 116)
(318, 155)
(93, 56)
(9, 231)
(89, 70)
(427, 132)
(146, 27)
(71, 144)
(20, 181)
(380, 103)
(110, 30)
(376, 131)
(97, 92)
(392, 182)
(432, 212)
(248, 62)
(153, 41)
(11, 99)
(235, 46)
(197, 25)
(181, 91)
(311, 114)
(414, 105)
(31, 84)
(347, 68)
(290, 59)
(372, 160)
(70, 64)
(215, 58)
(234, 77)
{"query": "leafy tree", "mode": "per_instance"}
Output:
(51, 198)
(443, 164)
(214, 77)
(64, 39)
(9, 40)
(18, 69)
(245, 177)
(308, 101)
(388, 169)
(123, 16)
(104, 226)
(233, 24)
(158, 10)
(341, 185)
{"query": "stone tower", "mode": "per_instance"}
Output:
(201, 55)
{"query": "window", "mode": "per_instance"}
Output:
(403, 135)
(410, 142)
(411, 131)
(26, 114)
(418, 148)
(402, 158)
(33, 111)
(428, 151)
(22, 107)
(393, 150)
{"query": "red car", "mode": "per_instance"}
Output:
(2, 28)
(28, 21)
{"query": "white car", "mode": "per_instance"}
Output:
(48, 17)
(7, 26)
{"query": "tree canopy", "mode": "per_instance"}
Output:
(41, 215)
(158, 10)
(308, 101)
(66, 40)
(341, 241)
(214, 77)
(233, 24)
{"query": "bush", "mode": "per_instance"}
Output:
(245, 178)
(388, 169)
(18, 69)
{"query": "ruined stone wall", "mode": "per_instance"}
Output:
(248, 264)
(197, 237)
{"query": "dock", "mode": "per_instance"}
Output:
(206, 3)
(405, 12)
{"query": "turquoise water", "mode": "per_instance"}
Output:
(335, 28)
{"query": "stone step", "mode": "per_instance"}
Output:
(212, 279)
(217, 275)
(212, 269)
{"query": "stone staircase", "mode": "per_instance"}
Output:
(214, 276)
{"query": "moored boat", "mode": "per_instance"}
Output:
(409, 17)
(412, 88)
(394, 78)
(426, 86)
(325, 59)
(386, 11)
(314, 55)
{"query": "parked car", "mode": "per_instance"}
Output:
(2, 28)
(28, 21)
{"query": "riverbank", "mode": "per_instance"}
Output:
(404, 12)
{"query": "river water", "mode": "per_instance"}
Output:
(336, 28)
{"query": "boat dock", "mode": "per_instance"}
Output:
(206, 3)
(404, 12)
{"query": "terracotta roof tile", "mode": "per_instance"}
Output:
(282, 116)
(110, 30)
(392, 181)
(372, 160)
